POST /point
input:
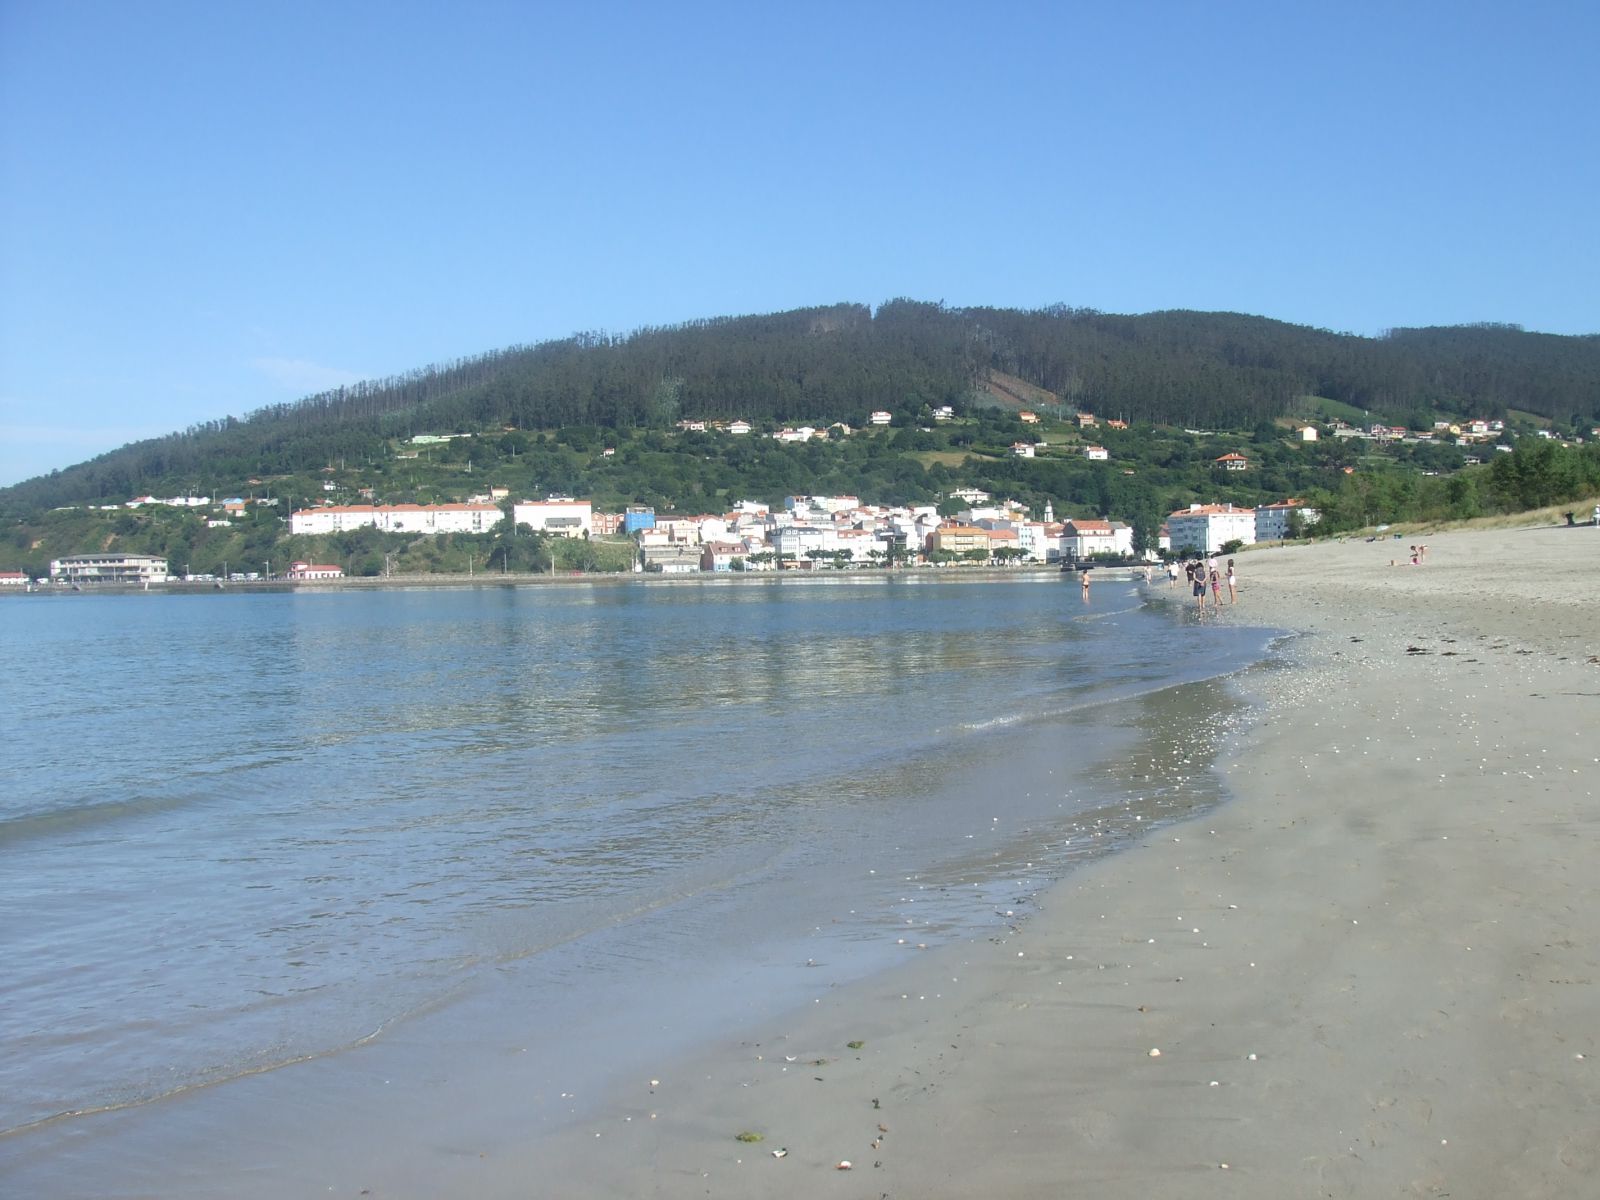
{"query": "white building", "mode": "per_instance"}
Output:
(1207, 527)
(879, 417)
(1022, 449)
(1031, 540)
(109, 568)
(684, 530)
(824, 504)
(1096, 453)
(1087, 538)
(721, 555)
(396, 518)
(559, 515)
(796, 541)
(301, 570)
(1272, 520)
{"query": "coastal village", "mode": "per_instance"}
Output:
(806, 533)
(971, 527)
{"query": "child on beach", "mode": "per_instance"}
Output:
(1216, 588)
(1233, 590)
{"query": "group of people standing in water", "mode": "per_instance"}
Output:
(1201, 575)
(1206, 576)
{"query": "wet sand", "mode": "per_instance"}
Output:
(1376, 971)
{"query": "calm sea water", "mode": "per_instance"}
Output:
(239, 831)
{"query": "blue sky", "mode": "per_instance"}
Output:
(206, 208)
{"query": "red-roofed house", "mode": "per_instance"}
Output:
(1084, 538)
(302, 570)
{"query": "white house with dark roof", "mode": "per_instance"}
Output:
(559, 515)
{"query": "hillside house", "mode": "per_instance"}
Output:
(559, 515)
(397, 518)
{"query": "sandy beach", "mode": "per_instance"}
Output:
(1373, 972)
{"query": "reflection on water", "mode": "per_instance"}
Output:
(241, 829)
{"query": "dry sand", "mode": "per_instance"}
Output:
(1372, 973)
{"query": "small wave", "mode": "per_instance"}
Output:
(87, 814)
(195, 1085)
(999, 722)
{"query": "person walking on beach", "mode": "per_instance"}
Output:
(1172, 569)
(1197, 581)
(1216, 588)
(1233, 582)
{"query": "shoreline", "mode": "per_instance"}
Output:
(468, 1095)
(1372, 971)
(360, 583)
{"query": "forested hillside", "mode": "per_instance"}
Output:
(1186, 369)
